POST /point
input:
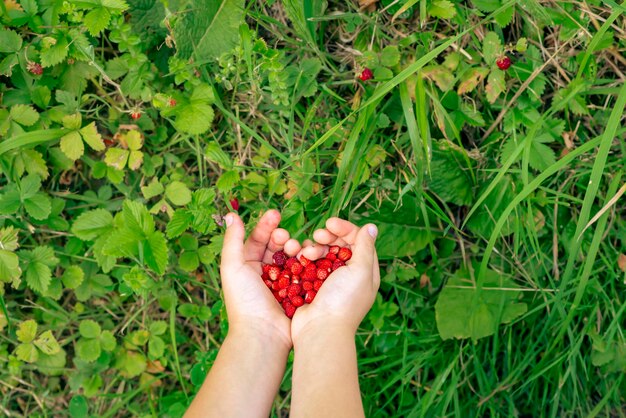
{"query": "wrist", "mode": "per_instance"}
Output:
(266, 334)
(321, 331)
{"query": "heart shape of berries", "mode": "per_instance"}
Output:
(294, 281)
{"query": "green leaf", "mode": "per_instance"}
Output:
(10, 202)
(34, 163)
(29, 186)
(390, 56)
(8, 238)
(194, 119)
(88, 349)
(155, 252)
(227, 181)
(442, 9)
(97, 20)
(189, 261)
(471, 78)
(180, 222)
(137, 219)
(154, 188)
(47, 343)
(89, 328)
(449, 174)
(156, 347)
(52, 365)
(464, 312)
(72, 145)
(24, 115)
(36, 265)
(79, 407)
(107, 340)
(504, 17)
(380, 310)
(135, 158)
(92, 137)
(495, 84)
(72, 121)
(130, 363)
(9, 266)
(214, 153)
(208, 28)
(26, 331)
(116, 158)
(72, 277)
(92, 224)
(492, 48)
(27, 352)
(9, 41)
(38, 206)
(178, 193)
(55, 52)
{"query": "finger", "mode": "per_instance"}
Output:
(255, 246)
(363, 250)
(232, 248)
(343, 229)
(315, 251)
(292, 247)
(278, 239)
(324, 236)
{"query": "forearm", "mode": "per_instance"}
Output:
(325, 376)
(244, 379)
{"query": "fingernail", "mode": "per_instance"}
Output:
(372, 230)
(228, 219)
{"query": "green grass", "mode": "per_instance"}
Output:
(461, 187)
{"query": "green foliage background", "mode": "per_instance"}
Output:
(128, 128)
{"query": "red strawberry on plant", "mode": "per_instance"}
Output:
(171, 103)
(503, 63)
(234, 203)
(34, 68)
(135, 114)
(366, 74)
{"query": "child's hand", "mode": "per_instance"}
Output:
(249, 303)
(349, 292)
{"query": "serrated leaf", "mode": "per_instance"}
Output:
(189, 261)
(92, 224)
(135, 158)
(180, 222)
(541, 156)
(442, 9)
(92, 137)
(462, 311)
(154, 188)
(194, 118)
(116, 158)
(38, 206)
(54, 54)
(214, 153)
(72, 277)
(471, 78)
(27, 352)
(10, 41)
(390, 56)
(34, 163)
(26, 331)
(130, 363)
(72, 121)
(8, 238)
(24, 115)
(208, 28)
(72, 145)
(449, 177)
(156, 348)
(227, 181)
(47, 343)
(89, 328)
(492, 48)
(10, 202)
(155, 252)
(495, 84)
(178, 193)
(107, 340)
(487, 5)
(88, 349)
(9, 266)
(504, 17)
(97, 20)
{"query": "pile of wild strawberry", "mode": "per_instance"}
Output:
(295, 282)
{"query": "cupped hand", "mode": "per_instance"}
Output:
(250, 305)
(349, 292)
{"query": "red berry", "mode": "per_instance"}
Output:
(309, 296)
(296, 268)
(279, 258)
(308, 285)
(503, 63)
(309, 273)
(277, 297)
(322, 274)
(297, 301)
(290, 262)
(344, 254)
(289, 308)
(282, 293)
(366, 74)
(324, 264)
(304, 261)
(265, 268)
(172, 103)
(293, 290)
(331, 257)
(234, 203)
(337, 264)
(283, 282)
(34, 68)
(274, 272)
(317, 284)
(135, 115)
(268, 283)
(333, 249)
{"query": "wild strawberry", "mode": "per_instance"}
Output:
(289, 308)
(135, 114)
(344, 254)
(309, 273)
(317, 284)
(297, 301)
(265, 276)
(293, 290)
(274, 272)
(333, 249)
(324, 264)
(276, 285)
(331, 256)
(277, 297)
(290, 262)
(295, 279)
(234, 203)
(296, 268)
(171, 103)
(503, 63)
(268, 283)
(282, 293)
(309, 296)
(265, 268)
(283, 282)
(337, 264)
(307, 285)
(322, 274)
(304, 261)
(366, 74)
(279, 258)
(34, 68)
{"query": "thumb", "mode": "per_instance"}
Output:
(232, 248)
(364, 251)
